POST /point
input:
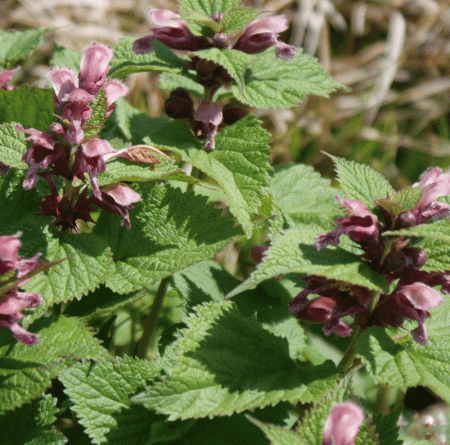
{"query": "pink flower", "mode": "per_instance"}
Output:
(262, 34)
(210, 115)
(6, 76)
(171, 31)
(342, 424)
(94, 66)
(12, 301)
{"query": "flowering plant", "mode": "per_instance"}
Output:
(115, 321)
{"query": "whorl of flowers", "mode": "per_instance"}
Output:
(12, 301)
(71, 149)
(392, 257)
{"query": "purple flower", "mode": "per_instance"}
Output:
(262, 34)
(13, 301)
(172, 32)
(94, 66)
(210, 115)
(342, 424)
(6, 76)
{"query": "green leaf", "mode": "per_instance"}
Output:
(408, 197)
(16, 45)
(426, 365)
(233, 60)
(88, 264)
(118, 170)
(12, 146)
(31, 424)
(32, 107)
(230, 364)
(271, 82)
(236, 19)
(438, 255)
(170, 230)
(201, 21)
(438, 231)
(63, 56)
(386, 428)
(361, 182)
(278, 435)
(303, 195)
(239, 164)
(101, 396)
(26, 371)
(97, 119)
(293, 251)
(170, 81)
(207, 6)
(125, 61)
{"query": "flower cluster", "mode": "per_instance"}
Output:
(393, 257)
(13, 268)
(71, 149)
(342, 424)
(173, 32)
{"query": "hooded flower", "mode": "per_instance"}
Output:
(13, 301)
(171, 31)
(262, 34)
(210, 115)
(342, 424)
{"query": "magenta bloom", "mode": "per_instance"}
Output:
(262, 34)
(210, 115)
(13, 301)
(342, 424)
(6, 76)
(171, 31)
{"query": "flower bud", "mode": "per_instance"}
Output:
(342, 424)
(221, 41)
(217, 16)
(179, 105)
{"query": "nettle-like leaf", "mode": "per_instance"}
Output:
(236, 19)
(228, 364)
(12, 146)
(207, 6)
(427, 365)
(170, 230)
(170, 81)
(101, 394)
(88, 264)
(233, 60)
(63, 56)
(438, 231)
(31, 424)
(29, 106)
(271, 82)
(386, 428)
(201, 24)
(125, 61)
(438, 255)
(278, 435)
(303, 195)
(361, 182)
(26, 371)
(408, 197)
(239, 163)
(208, 281)
(97, 119)
(16, 45)
(293, 251)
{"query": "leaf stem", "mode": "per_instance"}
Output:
(152, 319)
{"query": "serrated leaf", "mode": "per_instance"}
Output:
(29, 106)
(239, 163)
(387, 429)
(101, 393)
(438, 230)
(118, 170)
(88, 264)
(125, 61)
(233, 60)
(16, 45)
(63, 56)
(274, 83)
(12, 146)
(97, 119)
(408, 197)
(236, 19)
(278, 435)
(293, 251)
(26, 371)
(426, 365)
(30, 424)
(361, 182)
(229, 364)
(170, 81)
(438, 255)
(202, 20)
(303, 195)
(170, 231)
(207, 6)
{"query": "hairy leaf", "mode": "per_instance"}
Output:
(236, 19)
(207, 6)
(229, 364)
(63, 56)
(438, 231)
(12, 146)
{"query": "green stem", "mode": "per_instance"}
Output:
(349, 357)
(374, 301)
(152, 320)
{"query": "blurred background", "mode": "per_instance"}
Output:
(393, 55)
